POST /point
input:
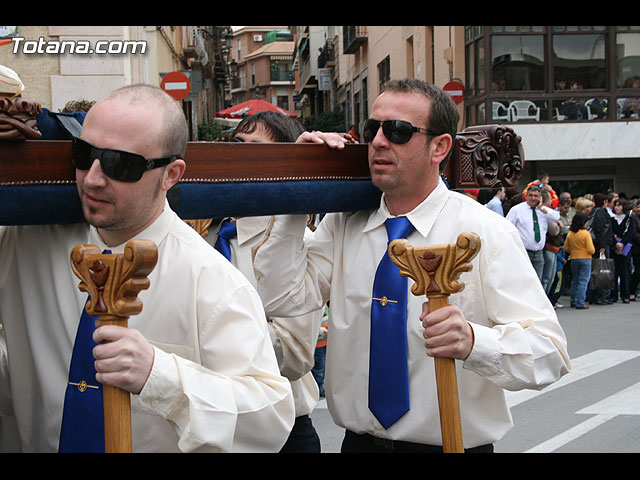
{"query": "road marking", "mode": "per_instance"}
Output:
(581, 367)
(625, 402)
(570, 435)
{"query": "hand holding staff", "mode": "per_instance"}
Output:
(435, 270)
(113, 282)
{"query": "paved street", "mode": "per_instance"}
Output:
(593, 409)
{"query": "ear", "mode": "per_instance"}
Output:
(440, 147)
(173, 173)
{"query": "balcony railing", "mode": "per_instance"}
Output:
(327, 56)
(287, 76)
(352, 38)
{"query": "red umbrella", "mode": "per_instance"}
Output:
(250, 107)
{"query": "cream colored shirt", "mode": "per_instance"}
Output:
(214, 385)
(294, 339)
(518, 341)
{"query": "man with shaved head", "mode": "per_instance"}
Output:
(197, 360)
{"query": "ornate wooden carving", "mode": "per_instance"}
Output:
(436, 271)
(113, 282)
(18, 118)
(486, 155)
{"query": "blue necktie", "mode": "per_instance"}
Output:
(83, 415)
(226, 233)
(388, 368)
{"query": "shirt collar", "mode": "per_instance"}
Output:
(422, 217)
(156, 232)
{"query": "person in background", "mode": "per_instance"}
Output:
(552, 245)
(531, 218)
(543, 182)
(624, 229)
(293, 338)
(495, 204)
(601, 227)
(563, 269)
(635, 250)
(579, 246)
(353, 134)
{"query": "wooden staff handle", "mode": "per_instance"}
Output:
(435, 270)
(448, 400)
(117, 407)
(113, 282)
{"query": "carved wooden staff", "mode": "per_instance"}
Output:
(435, 270)
(113, 282)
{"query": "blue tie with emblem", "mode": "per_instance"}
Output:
(83, 414)
(227, 232)
(388, 367)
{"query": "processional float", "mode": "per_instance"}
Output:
(37, 186)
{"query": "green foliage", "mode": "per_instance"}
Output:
(333, 121)
(211, 131)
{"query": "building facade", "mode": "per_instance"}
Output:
(58, 64)
(261, 66)
(570, 92)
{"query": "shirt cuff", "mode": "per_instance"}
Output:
(484, 357)
(162, 391)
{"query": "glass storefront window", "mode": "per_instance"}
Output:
(579, 61)
(517, 62)
(565, 73)
(628, 60)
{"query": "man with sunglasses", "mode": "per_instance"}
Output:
(501, 328)
(197, 360)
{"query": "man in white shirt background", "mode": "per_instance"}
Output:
(531, 219)
(502, 332)
(495, 204)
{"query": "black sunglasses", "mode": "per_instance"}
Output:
(396, 131)
(116, 164)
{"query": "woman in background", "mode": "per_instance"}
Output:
(579, 246)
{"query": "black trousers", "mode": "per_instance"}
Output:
(303, 437)
(365, 443)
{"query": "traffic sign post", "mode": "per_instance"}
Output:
(176, 84)
(455, 89)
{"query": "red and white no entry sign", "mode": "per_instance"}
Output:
(455, 90)
(176, 84)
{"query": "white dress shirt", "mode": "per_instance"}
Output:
(518, 340)
(294, 339)
(214, 385)
(521, 215)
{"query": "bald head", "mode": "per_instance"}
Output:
(174, 133)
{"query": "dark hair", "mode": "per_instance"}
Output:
(282, 128)
(625, 204)
(579, 221)
(564, 201)
(444, 114)
(599, 199)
